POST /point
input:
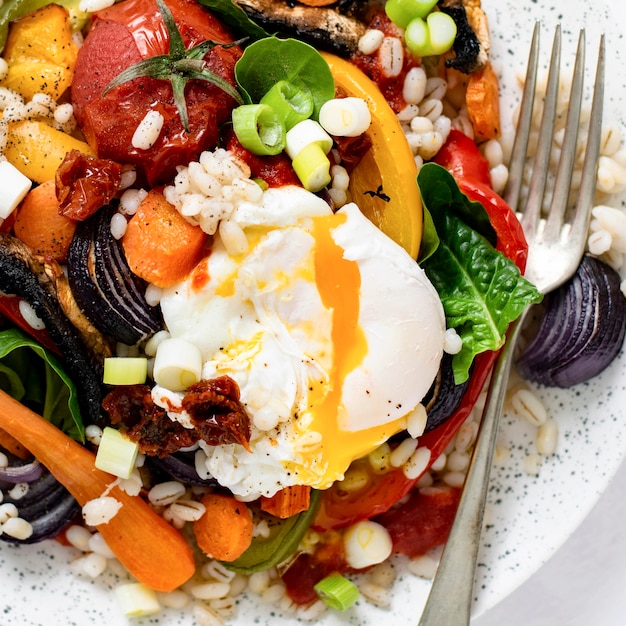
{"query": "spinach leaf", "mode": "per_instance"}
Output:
(34, 376)
(481, 290)
(270, 60)
(235, 17)
(443, 194)
(430, 238)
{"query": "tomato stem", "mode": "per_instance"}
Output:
(178, 66)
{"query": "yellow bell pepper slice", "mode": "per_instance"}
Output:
(384, 183)
(37, 149)
(40, 53)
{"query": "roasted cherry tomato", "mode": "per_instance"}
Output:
(124, 34)
(420, 524)
(339, 509)
(423, 522)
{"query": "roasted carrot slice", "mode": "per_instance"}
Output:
(224, 532)
(39, 224)
(288, 501)
(161, 246)
(483, 103)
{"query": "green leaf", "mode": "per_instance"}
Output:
(430, 238)
(284, 539)
(442, 194)
(236, 17)
(270, 60)
(482, 291)
(35, 377)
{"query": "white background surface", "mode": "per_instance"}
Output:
(584, 583)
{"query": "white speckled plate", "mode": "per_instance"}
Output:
(527, 518)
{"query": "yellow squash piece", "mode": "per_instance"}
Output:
(37, 149)
(40, 53)
(384, 183)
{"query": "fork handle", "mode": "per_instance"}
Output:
(450, 600)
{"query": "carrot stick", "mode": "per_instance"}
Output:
(150, 549)
(483, 103)
(224, 532)
(10, 443)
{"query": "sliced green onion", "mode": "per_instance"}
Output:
(259, 129)
(417, 37)
(137, 600)
(125, 370)
(345, 117)
(401, 12)
(434, 35)
(366, 543)
(116, 453)
(442, 30)
(337, 591)
(312, 167)
(424, 7)
(177, 364)
(304, 133)
(291, 103)
(261, 183)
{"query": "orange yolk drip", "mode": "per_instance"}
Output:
(339, 281)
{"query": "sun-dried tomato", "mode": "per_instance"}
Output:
(352, 149)
(85, 183)
(217, 415)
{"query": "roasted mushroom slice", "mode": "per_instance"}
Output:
(324, 27)
(23, 274)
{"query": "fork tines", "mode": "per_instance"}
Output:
(531, 207)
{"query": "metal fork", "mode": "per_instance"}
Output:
(556, 246)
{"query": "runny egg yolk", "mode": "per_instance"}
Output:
(339, 284)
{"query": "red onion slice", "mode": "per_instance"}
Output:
(581, 331)
(26, 473)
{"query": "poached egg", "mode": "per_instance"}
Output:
(332, 331)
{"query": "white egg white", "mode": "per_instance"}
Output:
(321, 387)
